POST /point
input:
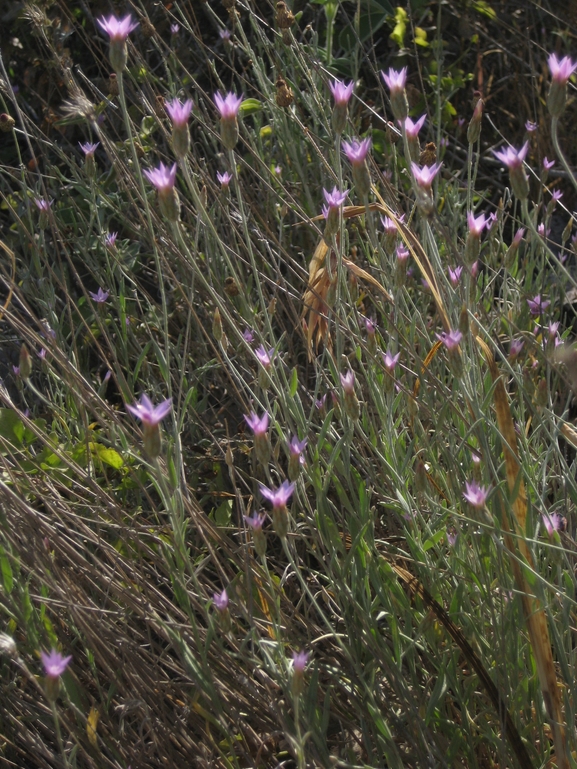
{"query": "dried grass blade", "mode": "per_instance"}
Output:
(534, 614)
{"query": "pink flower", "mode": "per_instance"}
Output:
(224, 35)
(88, 148)
(450, 340)
(278, 497)
(334, 199)
(402, 253)
(179, 113)
(220, 601)
(300, 660)
(110, 239)
(515, 347)
(54, 663)
(163, 177)
(297, 447)
(476, 225)
(117, 29)
(530, 127)
(412, 129)
(348, 381)
(548, 164)
(149, 414)
(424, 176)
(248, 335)
(264, 357)
(554, 522)
(511, 157)
(228, 106)
(475, 495)
(390, 360)
(556, 195)
(43, 205)
(561, 69)
(341, 92)
(537, 305)
(100, 296)
(224, 179)
(388, 225)
(518, 237)
(356, 151)
(395, 81)
(455, 275)
(256, 522)
(174, 29)
(259, 425)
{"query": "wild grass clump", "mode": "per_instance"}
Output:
(286, 437)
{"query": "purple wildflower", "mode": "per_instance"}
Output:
(395, 81)
(300, 660)
(117, 29)
(530, 127)
(554, 522)
(259, 425)
(476, 225)
(43, 205)
(264, 357)
(224, 179)
(149, 414)
(388, 225)
(561, 69)
(476, 495)
(110, 239)
(280, 496)
(228, 106)
(412, 129)
(348, 381)
(163, 177)
(341, 92)
(390, 360)
(511, 157)
(179, 113)
(256, 522)
(224, 35)
(356, 151)
(515, 347)
(220, 601)
(450, 340)
(537, 305)
(54, 663)
(548, 164)
(335, 200)
(88, 148)
(424, 176)
(321, 402)
(402, 253)
(42, 353)
(100, 296)
(174, 29)
(455, 275)
(556, 195)
(518, 237)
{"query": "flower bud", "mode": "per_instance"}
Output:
(25, 363)
(474, 128)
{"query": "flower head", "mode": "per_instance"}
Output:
(455, 275)
(476, 225)
(388, 225)
(179, 113)
(335, 200)
(88, 148)
(476, 495)
(163, 177)
(356, 151)
(511, 157)
(224, 35)
(395, 81)
(259, 425)
(561, 69)
(174, 29)
(537, 305)
(530, 127)
(402, 253)
(297, 448)
(450, 340)
(100, 296)
(224, 179)
(278, 497)
(43, 205)
(348, 381)
(341, 92)
(554, 522)
(300, 660)
(248, 335)
(412, 129)
(148, 413)
(220, 601)
(424, 176)
(515, 347)
(256, 522)
(390, 360)
(54, 663)
(264, 356)
(548, 164)
(118, 29)
(518, 237)
(228, 106)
